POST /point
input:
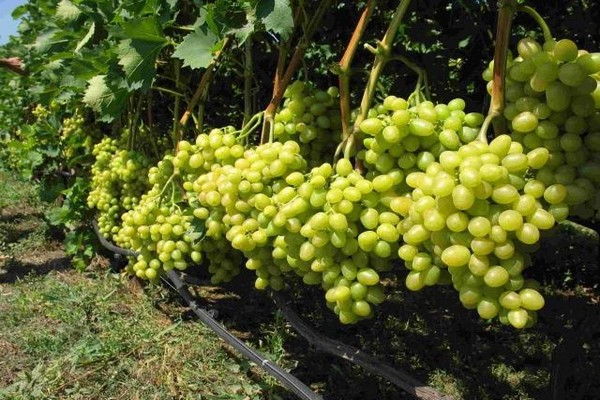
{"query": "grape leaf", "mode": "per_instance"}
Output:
(243, 33)
(138, 58)
(50, 41)
(147, 29)
(142, 41)
(67, 11)
(277, 16)
(196, 49)
(106, 99)
(58, 216)
(197, 230)
(18, 12)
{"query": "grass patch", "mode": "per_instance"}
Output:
(73, 336)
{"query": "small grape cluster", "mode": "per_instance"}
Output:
(77, 138)
(161, 234)
(402, 138)
(119, 177)
(40, 112)
(553, 101)
(310, 117)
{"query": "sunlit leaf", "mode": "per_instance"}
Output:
(67, 11)
(86, 38)
(107, 99)
(147, 29)
(196, 49)
(138, 58)
(277, 16)
(50, 40)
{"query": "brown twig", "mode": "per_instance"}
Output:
(382, 56)
(345, 63)
(505, 16)
(204, 82)
(290, 70)
(14, 64)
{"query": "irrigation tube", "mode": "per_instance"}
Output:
(287, 379)
(356, 356)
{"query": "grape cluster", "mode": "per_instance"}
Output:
(553, 101)
(76, 140)
(161, 234)
(473, 218)
(400, 138)
(231, 197)
(310, 117)
(453, 209)
(40, 112)
(119, 177)
(162, 227)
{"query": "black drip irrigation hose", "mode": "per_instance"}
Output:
(356, 356)
(289, 381)
(109, 246)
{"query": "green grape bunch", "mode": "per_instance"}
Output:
(119, 177)
(311, 117)
(553, 101)
(473, 218)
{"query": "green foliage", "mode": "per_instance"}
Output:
(276, 15)
(106, 96)
(197, 48)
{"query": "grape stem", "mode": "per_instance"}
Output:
(482, 136)
(346, 62)
(250, 126)
(248, 72)
(134, 120)
(281, 84)
(505, 15)
(176, 132)
(167, 183)
(169, 91)
(421, 91)
(383, 52)
(539, 19)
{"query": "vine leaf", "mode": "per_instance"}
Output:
(146, 29)
(277, 16)
(138, 59)
(137, 52)
(197, 48)
(107, 99)
(67, 11)
(52, 40)
(243, 33)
